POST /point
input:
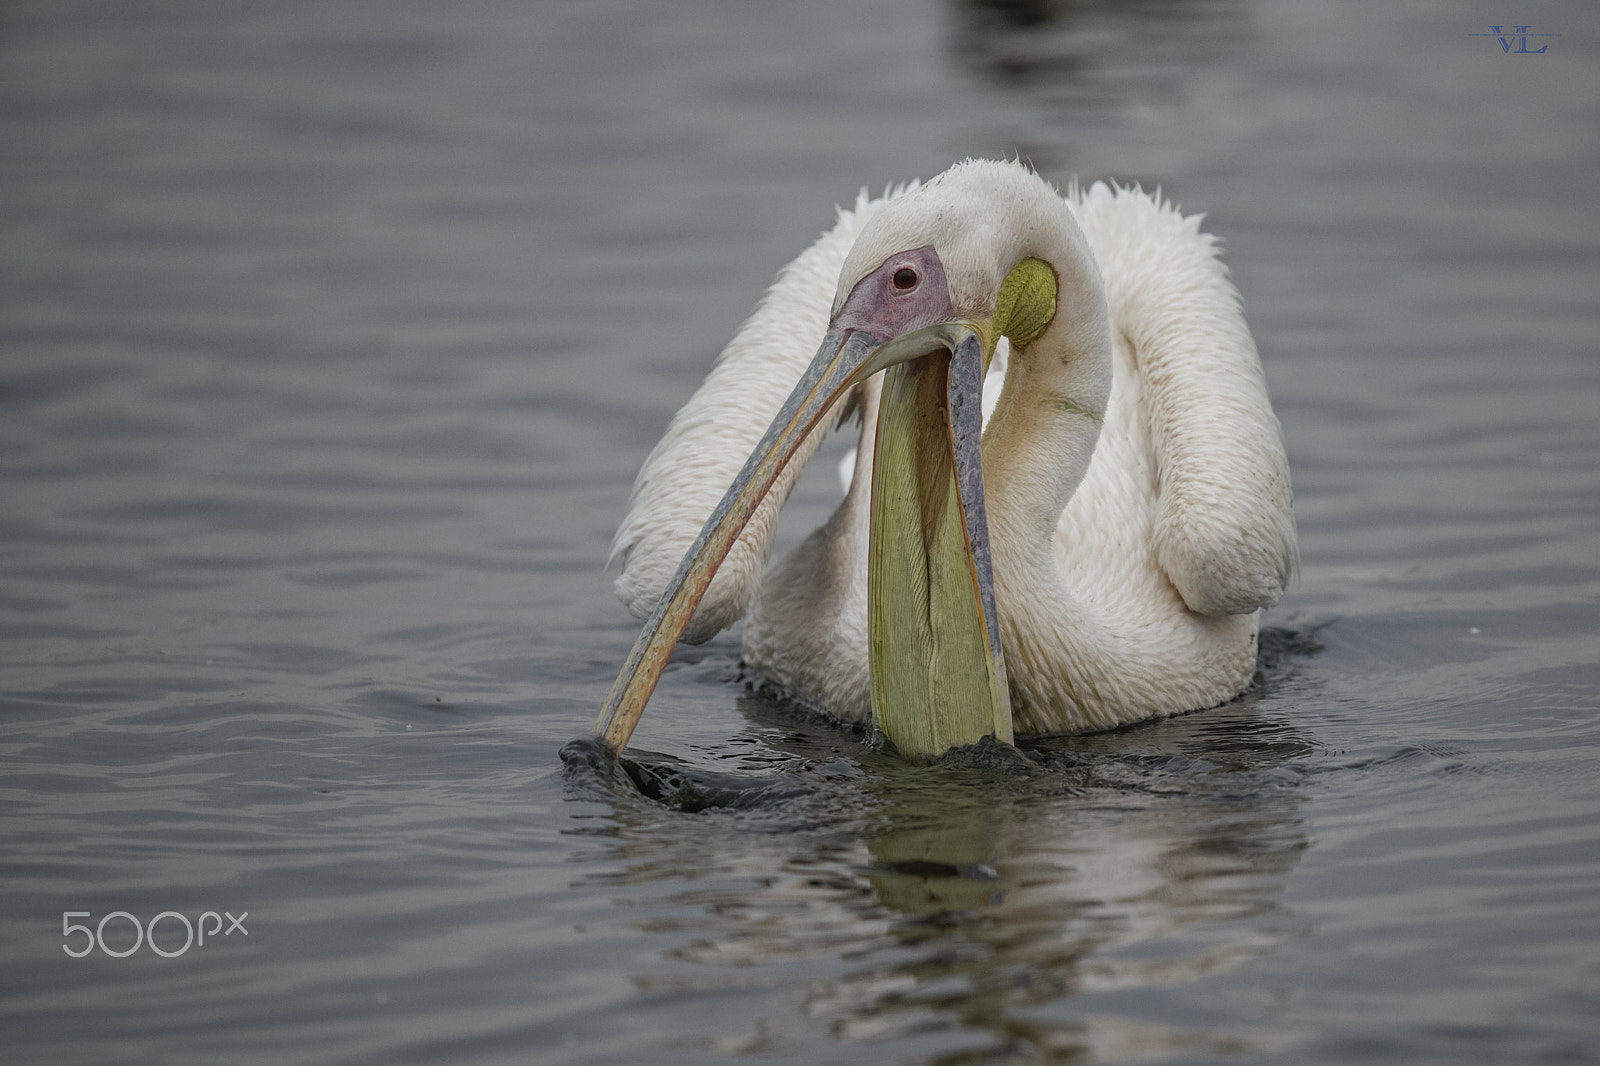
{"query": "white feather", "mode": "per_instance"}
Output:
(1131, 555)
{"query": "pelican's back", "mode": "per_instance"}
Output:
(1194, 404)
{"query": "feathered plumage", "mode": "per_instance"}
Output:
(1137, 489)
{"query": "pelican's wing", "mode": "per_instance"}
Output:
(1224, 531)
(709, 439)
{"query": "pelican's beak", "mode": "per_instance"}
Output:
(938, 680)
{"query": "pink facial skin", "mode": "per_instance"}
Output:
(908, 291)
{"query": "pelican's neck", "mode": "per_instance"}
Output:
(1036, 451)
(1041, 437)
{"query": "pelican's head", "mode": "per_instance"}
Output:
(936, 276)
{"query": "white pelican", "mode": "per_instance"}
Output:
(1109, 561)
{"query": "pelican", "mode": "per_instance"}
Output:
(1096, 552)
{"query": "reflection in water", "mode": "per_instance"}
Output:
(977, 899)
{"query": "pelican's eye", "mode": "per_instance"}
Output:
(905, 279)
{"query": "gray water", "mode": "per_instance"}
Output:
(332, 335)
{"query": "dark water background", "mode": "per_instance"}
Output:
(332, 335)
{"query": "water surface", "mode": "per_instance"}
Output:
(331, 337)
